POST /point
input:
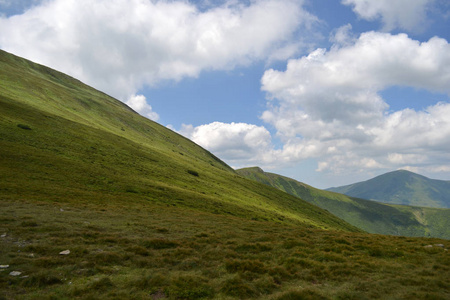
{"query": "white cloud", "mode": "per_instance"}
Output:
(236, 143)
(342, 36)
(327, 105)
(119, 46)
(139, 104)
(403, 14)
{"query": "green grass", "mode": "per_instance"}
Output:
(147, 214)
(371, 216)
(122, 252)
(87, 147)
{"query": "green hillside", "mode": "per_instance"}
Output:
(368, 215)
(401, 187)
(97, 202)
(64, 141)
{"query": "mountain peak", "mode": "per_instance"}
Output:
(401, 187)
(253, 169)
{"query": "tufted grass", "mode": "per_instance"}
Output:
(119, 252)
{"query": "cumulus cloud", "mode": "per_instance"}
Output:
(236, 143)
(139, 104)
(327, 105)
(403, 14)
(119, 46)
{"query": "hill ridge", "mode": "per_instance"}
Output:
(94, 146)
(401, 187)
(368, 215)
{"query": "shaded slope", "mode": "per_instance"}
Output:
(401, 187)
(368, 215)
(64, 141)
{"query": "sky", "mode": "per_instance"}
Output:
(328, 92)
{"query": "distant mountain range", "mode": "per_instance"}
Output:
(401, 187)
(371, 216)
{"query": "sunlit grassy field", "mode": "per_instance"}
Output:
(146, 251)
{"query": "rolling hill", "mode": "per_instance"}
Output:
(368, 215)
(97, 202)
(401, 187)
(64, 141)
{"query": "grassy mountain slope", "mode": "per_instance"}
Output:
(147, 214)
(401, 187)
(83, 146)
(368, 215)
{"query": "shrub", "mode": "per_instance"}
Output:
(23, 126)
(195, 173)
(131, 190)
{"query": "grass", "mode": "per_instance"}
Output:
(114, 188)
(87, 147)
(121, 252)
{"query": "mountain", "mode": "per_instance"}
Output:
(368, 215)
(401, 187)
(63, 141)
(97, 202)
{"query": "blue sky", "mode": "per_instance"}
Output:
(328, 92)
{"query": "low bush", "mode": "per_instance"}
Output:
(23, 126)
(192, 172)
